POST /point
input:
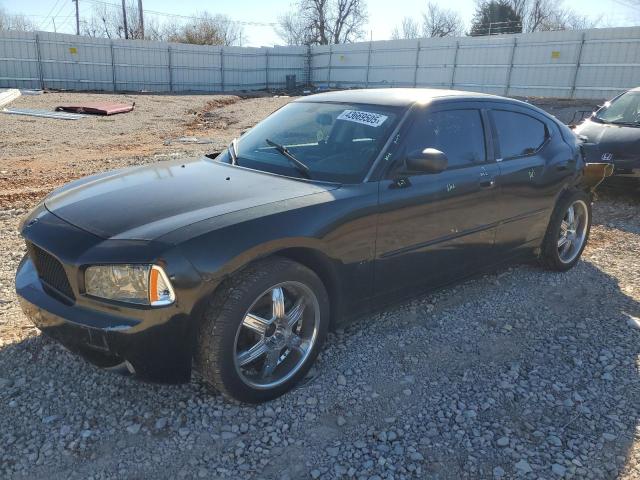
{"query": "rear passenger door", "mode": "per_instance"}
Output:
(529, 154)
(435, 228)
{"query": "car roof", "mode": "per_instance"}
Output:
(393, 97)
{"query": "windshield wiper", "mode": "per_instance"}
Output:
(627, 124)
(233, 151)
(302, 168)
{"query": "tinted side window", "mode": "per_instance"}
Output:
(518, 134)
(457, 133)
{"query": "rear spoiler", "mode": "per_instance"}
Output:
(595, 173)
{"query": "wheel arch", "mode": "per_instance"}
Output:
(312, 258)
(325, 268)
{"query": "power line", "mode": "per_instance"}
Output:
(44, 22)
(628, 3)
(20, 15)
(188, 17)
(67, 21)
(53, 18)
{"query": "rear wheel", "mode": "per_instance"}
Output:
(262, 332)
(567, 232)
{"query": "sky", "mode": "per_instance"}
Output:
(383, 14)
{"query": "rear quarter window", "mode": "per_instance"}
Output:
(518, 134)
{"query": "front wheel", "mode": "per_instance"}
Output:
(567, 232)
(263, 331)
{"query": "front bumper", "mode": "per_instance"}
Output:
(160, 352)
(626, 164)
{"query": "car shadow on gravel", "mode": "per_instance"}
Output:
(618, 188)
(516, 371)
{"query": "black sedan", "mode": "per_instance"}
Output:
(612, 134)
(335, 204)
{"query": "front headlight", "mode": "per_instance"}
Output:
(139, 284)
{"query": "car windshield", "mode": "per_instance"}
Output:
(332, 142)
(624, 110)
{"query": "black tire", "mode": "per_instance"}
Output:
(216, 340)
(550, 254)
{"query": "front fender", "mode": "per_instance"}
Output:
(341, 231)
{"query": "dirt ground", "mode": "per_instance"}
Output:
(56, 151)
(37, 155)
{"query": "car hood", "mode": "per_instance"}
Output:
(145, 203)
(601, 138)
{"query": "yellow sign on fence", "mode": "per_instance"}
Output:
(555, 54)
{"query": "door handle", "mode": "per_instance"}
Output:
(400, 182)
(488, 183)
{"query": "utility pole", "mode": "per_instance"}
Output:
(124, 19)
(141, 19)
(77, 16)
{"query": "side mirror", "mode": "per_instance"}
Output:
(428, 160)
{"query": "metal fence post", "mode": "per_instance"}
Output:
(575, 74)
(366, 82)
(113, 68)
(415, 73)
(513, 54)
(266, 69)
(40, 72)
(309, 70)
(222, 69)
(170, 69)
(455, 63)
(329, 73)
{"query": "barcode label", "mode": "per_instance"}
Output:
(365, 118)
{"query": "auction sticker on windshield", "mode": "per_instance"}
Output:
(366, 118)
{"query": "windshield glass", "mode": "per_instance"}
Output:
(337, 142)
(624, 110)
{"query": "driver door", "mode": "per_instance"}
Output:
(435, 228)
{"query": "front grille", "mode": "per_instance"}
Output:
(50, 270)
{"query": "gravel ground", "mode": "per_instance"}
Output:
(520, 373)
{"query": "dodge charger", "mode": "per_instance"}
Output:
(238, 263)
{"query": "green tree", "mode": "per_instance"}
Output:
(495, 17)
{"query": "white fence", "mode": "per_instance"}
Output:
(59, 61)
(594, 63)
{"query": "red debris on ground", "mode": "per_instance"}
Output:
(97, 108)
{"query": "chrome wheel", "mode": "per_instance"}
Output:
(573, 231)
(277, 335)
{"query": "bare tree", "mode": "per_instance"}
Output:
(18, 22)
(203, 29)
(545, 15)
(441, 22)
(323, 22)
(207, 29)
(107, 21)
(408, 29)
(294, 30)
(436, 22)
